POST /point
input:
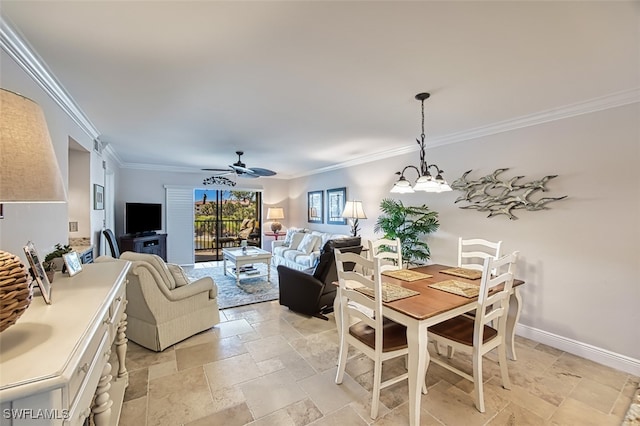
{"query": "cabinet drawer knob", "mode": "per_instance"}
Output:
(85, 367)
(119, 299)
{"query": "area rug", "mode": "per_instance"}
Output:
(633, 415)
(250, 290)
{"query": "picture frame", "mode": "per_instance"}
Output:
(72, 262)
(98, 197)
(336, 199)
(315, 207)
(37, 271)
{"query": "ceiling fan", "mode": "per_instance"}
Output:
(241, 169)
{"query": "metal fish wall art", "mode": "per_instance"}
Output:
(499, 196)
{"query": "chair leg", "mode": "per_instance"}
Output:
(478, 386)
(342, 360)
(377, 380)
(502, 360)
(450, 351)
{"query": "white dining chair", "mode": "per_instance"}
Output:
(473, 334)
(379, 338)
(473, 252)
(388, 251)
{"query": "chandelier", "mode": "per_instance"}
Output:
(425, 182)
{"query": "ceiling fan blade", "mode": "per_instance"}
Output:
(262, 172)
(217, 170)
(247, 175)
(241, 169)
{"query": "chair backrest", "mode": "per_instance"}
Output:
(325, 270)
(352, 301)
(472, 253)
(113, 243)
(493, 306)
(388, 251)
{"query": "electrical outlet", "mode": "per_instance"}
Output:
(73, 226)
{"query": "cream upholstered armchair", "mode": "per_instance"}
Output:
(163, 306)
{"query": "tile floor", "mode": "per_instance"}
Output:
(265, 365)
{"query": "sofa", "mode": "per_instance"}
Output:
(313, 293)
(300, 249)
(164, 306)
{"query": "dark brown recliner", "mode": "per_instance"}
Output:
(313, 293)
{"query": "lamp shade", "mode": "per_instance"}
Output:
(29, 171)
(353, 210)
(275, 213)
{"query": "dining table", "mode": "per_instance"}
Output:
(432, 306)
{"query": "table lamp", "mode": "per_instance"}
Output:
(353, 210)
(275, 214)
(29, 173)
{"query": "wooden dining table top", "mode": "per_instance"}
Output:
(431, 301)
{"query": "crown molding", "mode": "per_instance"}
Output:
(26, 57)
(613, 100)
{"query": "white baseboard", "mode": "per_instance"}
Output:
(584, 350)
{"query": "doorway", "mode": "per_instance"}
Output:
(224, 218)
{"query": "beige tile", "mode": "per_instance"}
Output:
(270, 365)
(303, 412)
(596, 395)
(591, 370)
(573, 412)
(138, 381)
(308, 326)
(343, 417)
(198, 355)
(452, 406)
(272, 392)
(400, 416)
(234, 328)
(206, 336)
(134, 412)
(320, 350)
(276, 327)
(296, 365)
(327, 395)
(163, 369)
(522, 397)
(237, 415)
(231, 371)
(179, 398)
(225, 398)
(268, 347)
(514, 414)
(278, 418)
(140, 357)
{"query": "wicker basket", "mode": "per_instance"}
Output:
(15, 289)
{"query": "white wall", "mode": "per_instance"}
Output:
(44, 224)
(580, 259)
(79, 195)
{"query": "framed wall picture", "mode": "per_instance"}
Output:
(315, 206)
(37, 270)
(335, 205)
(98, 197)
(72, 262)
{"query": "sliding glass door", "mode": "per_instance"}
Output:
(224, 218)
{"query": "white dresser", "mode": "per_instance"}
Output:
(54, 362)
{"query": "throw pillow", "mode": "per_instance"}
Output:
(296, 238)
(178, 274)
(287, 238)
(308, 243)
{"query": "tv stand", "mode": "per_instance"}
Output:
(152, 244)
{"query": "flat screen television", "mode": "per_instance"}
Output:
(142, 218)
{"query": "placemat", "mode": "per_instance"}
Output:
(390, 292)
(458, 287)
(406, 275)
(470, 274)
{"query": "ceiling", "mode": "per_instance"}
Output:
(305, 86)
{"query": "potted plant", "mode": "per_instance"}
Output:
(409, 223)
(53, 261)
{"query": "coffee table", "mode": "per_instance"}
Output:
(240, 257)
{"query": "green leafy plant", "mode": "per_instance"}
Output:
(410, 224)
(49, 263)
